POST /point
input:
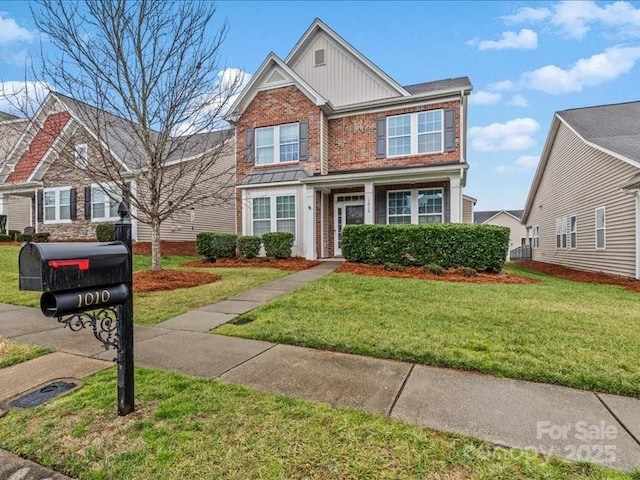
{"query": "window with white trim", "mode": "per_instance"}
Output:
(81, 155)
(57, 204)
(415, 133)
(535, 239)
(104, 202)
(274, 214)
(601, 228)
(424, 205)
(279, 144)
(573, 229)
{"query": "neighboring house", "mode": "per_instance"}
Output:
(512, 219)
(44, 175)
(583, 209)
(324, 139)
(16, 208)
(468, 205)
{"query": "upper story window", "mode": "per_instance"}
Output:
(415, 133)
(57, 205)
(279, 144)
(81, 155)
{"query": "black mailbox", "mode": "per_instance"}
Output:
(57, 267)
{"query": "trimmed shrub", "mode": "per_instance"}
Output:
(433, 269)
(393, 267)
(466, 271)
(213, 245)
(41, 237)
(5, 238)
(278, 244)
(24, 237)
(106, 232)
(248, 246)
(481, 247)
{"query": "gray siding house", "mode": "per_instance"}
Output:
(583, 209)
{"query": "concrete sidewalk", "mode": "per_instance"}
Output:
(570, 423)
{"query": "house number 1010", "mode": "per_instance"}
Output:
(93, 298)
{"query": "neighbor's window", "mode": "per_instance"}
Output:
(430, 206)
(573, 224)
(601, 228)
(103, 206)
(558, 232)
(536, 237)
(414, 133)
(81, 155)
(278, 144)
(57, 204)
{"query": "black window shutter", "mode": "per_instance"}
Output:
(87, 203)
(304, 140)
(381, 138)
(449, 130)
(250, 149)
(40, 212)
(381, 208)
(73, 206)
(446, 199)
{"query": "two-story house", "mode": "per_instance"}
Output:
(46, 185)
(325, 138)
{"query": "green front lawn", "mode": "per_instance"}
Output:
(152, 307)
(557, 331)
(187, 428)
(12, 352)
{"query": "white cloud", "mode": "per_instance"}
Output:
(575, 19)
(586, 72)
(527, 14)
(525, 39)
(514, 134)
(11, 32)
(22, 98)
(482, 97)
(518, 101)
(523, 163)
(502, 86)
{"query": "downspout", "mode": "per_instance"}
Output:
(35, 216)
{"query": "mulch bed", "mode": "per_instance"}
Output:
(187, 248)
(417, 272)
(150, 281)
(293, 264)
(581, 276)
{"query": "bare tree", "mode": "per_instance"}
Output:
(146, 77)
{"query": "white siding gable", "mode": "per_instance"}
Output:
(342, 79)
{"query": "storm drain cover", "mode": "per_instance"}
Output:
(43, 394)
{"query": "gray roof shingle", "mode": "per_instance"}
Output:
(4, 116)
(481, 217)
(612, 127)
(459, 83)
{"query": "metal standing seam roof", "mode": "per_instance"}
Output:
(612, 127)
(481, 217)
(274, 176)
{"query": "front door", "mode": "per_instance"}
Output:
(349, 210)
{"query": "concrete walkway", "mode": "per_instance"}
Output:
(570, 423)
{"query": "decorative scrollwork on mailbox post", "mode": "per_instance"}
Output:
(89, 286)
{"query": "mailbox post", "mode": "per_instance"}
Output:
(125, 323)
(89, 285)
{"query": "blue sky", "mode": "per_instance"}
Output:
(525, 60)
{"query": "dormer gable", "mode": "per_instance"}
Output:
(337, 71)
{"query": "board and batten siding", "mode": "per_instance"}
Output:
(186, 224)
(578, 179)
(342, 79)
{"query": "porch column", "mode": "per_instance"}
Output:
(455, 200)
(369, 205)
(309, 222)
(2, 207)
